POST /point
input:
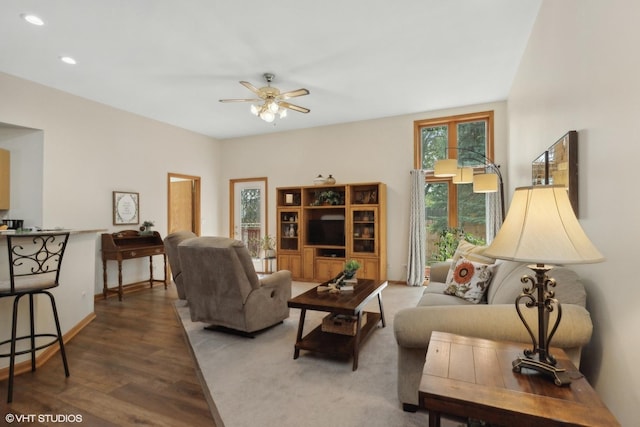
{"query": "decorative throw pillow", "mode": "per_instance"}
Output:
(470, 280)
(469, 251)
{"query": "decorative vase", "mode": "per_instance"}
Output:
(330, 180)
(319, 180)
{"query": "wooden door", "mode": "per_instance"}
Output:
(184, 203)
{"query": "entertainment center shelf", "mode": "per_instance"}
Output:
(320, 227)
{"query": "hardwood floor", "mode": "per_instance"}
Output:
(130, 366)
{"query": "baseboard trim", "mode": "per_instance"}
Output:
(49, 352)
(127, 289)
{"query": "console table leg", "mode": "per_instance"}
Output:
(104, 278)
(151, 271)
(164, 257)
(120, 292)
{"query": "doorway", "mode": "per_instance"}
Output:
(248, 213)
(183, 202)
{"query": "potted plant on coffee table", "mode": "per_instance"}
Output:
(350, 268)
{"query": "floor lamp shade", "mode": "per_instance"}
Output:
(541, 227)
(485, 183)
(463, 176)
(445, 168)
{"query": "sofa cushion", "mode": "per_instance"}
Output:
(434, 295)
(469, 251)
(470, 280)
(506, 284)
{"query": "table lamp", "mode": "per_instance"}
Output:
(541, 228)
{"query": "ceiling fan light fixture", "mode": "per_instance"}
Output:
(273, 107)
(274, 102)
(267, 116)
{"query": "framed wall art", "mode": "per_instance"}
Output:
(126, 208)
(560, 166)
(539, 170)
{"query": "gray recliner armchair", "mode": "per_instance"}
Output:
(223, 289)
(171, 243)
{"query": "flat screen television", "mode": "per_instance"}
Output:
(326, 232)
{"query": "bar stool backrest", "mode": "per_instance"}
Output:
(34, 261)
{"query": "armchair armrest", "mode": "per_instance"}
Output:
(277, 279)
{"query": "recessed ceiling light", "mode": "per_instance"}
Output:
(68, 60)
(32, 19)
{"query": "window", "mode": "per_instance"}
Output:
(469, 139)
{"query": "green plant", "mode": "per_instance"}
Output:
(328, 197)
(146, 227)
(350, 268)
(262, 246)
(447, 243)
(267, 243)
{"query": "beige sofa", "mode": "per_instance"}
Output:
(497, 320)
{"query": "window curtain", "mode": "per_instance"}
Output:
(417, 231)
(494, 215)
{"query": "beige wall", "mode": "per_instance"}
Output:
(580, 71)
(91, 150)
(374, 150)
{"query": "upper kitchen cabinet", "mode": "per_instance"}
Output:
(5, 179)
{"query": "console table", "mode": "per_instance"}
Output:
(130, 244)
(473, 377)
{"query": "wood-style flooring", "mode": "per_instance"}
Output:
(130, 366)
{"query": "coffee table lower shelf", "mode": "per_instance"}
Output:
(337, 344)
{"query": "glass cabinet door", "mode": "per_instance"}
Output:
(289, 230)
(364, 230)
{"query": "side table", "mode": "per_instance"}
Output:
(473, 377)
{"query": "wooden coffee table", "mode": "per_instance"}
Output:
(350, 303)
(473, 377)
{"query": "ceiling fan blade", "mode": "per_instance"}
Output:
(251, 87)
(240, 100)
(294, 93)
(293, 107)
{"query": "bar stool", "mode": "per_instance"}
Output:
(34, 267)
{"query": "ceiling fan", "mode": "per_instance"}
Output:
(274, 101)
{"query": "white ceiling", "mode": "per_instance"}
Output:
(360, 59)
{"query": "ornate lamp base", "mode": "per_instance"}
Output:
(560, 376)
(539, 296)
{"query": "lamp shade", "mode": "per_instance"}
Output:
(463, 176)
(445, 168)
(541, 228)
(485, 183)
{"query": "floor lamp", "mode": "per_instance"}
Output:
(488, 182)
(541, 228)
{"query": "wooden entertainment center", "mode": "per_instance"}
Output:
(320, 227)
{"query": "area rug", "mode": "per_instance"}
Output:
(256, 382)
